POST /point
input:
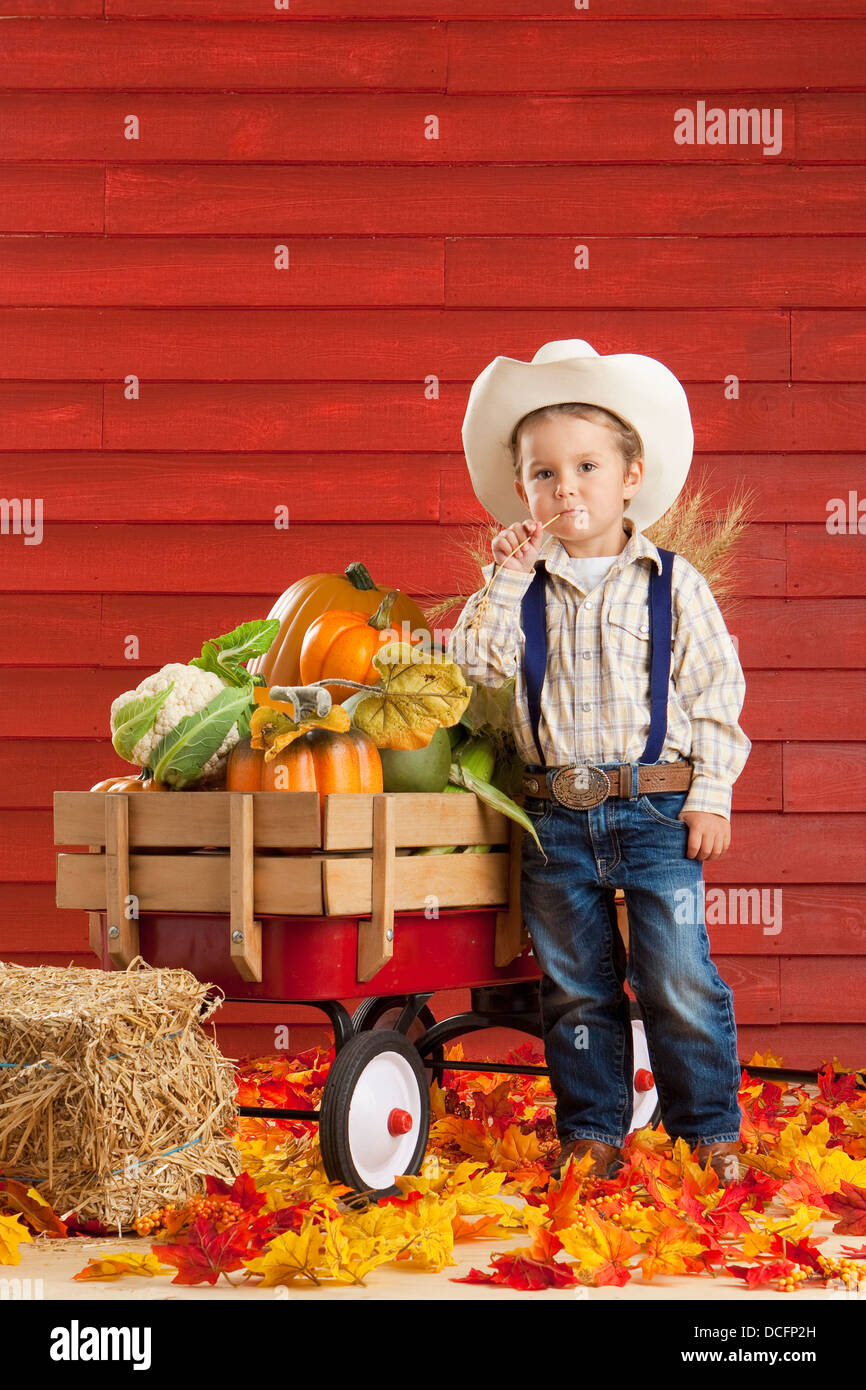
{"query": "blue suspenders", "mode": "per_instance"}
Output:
(533, 620)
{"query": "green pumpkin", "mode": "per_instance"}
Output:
(417, 769)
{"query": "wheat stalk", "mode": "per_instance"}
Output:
(481, 606)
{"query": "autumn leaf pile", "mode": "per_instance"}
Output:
(493, 1136)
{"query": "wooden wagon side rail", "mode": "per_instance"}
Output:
(149, 853)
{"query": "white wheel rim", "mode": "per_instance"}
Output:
(386, 1083)
(643, 1102)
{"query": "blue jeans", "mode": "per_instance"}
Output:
(638, 845)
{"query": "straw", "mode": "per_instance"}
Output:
(102, 1073)
(483, 600)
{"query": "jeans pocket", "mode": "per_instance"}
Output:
(664, 807)
(538, 809)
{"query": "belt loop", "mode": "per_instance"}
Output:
(635, 773)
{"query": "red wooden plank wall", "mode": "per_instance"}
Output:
(431, 169)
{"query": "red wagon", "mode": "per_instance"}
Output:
(286, 897)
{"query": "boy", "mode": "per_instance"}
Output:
(624, 790)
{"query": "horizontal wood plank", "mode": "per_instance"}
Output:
(715, 272)
(264, 560)
(130, 56)
(212, 126)
(322, 344)
(479, 201)
(247, 416)
(219, 270)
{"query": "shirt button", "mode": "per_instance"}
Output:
(587, 604)
(644, 627)
(587, 655)
(587, 707)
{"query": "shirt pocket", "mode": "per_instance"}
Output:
(628, 639)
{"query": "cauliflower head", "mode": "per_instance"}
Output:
(193, 689)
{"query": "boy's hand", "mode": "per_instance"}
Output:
(709, 835)
(506, 541)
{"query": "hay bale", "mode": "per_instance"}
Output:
(112, 1097)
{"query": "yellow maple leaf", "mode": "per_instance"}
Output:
(830, 1166)
(354, 1245)
(672, 1251)
(601, 1242)
(131, 1262)
(11, 1236)
(515, 1150)
(431, 1232)
(769, 1059)
(416, 695)
(292, 1255)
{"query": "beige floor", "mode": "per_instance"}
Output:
(55, 1262)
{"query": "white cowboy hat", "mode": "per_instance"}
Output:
(641, 391)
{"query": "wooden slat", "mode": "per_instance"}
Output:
(707, 55)
(195, 883)
(44, 198)
(823, 564)
(511, 933)
(496, 10)
(283, 820)
(697, 56)
(714, 271)
(425, 818)
(783, 485)
(283, 201)
(376, 933)
(823, 989)
(827, 346)
(215, 270)
(121, 906)
(394, 345)
(212, 126)
(245, 931)
(454, 880)
(808, 784)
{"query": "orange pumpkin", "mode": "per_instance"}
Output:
(320, 760)
(342, 643)
(307, 599)
(130, 783)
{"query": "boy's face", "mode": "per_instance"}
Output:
(574, 466)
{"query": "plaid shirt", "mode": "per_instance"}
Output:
(595, 703)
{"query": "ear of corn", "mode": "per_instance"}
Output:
(472, 770)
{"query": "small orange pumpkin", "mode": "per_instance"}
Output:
(130, 783)
(320, 760)
(343, 642)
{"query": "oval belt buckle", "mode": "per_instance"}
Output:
(580, 786)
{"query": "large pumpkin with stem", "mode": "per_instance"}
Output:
(316, 594)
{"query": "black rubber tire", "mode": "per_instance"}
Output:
(368, 1013)
(346, 1069)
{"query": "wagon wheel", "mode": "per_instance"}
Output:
(382, 1011)
(374, 1115)
(645, 1099)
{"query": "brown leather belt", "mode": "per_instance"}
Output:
(581, 785)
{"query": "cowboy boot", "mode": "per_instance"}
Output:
(723, 1160)
(607, 1158)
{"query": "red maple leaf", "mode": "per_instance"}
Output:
(518, 1271)
(850, 1205)
(802, 1251)
(755, 1275)
(207, 1253)
(243, 1191)
(836, 1091)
